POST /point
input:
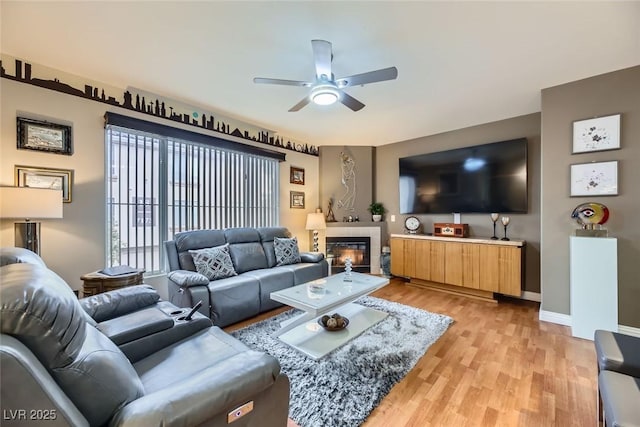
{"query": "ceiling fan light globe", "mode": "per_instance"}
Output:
(325, 98)
(325, 95)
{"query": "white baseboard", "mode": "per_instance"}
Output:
(629, 330)
(553, 317)
(531, 296)
(565, 319)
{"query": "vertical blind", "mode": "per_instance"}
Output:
(157, 186)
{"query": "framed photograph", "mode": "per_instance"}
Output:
(594, 179)
(600, 134)
(44, 136)
(57, 179)
(296, 175)
(296, 199)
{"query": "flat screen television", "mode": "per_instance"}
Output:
(479, 179)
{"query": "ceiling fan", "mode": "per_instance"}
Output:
(325, 88)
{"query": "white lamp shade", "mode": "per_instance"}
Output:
(315, 221)
(30, 203)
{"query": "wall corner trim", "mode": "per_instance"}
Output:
(559, 318)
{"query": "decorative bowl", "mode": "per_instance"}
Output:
(323, 322)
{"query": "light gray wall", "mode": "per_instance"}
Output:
(611, 93)
(523, 226)
(331, 179)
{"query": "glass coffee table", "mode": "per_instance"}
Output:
(327, 296)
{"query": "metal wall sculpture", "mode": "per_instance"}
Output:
(348, 169)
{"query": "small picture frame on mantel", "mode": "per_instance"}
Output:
(44, 136)
(598, 134)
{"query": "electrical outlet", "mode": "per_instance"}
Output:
(393, 218)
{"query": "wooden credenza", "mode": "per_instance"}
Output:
(475, 266)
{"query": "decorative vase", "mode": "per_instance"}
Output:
(385, 264)
(376, 218)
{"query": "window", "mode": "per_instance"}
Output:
(160, 185)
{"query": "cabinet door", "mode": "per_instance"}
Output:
(410, 257)
(397, 256)
(489, 268)
(470, 266)
(510, 271)
(436, 261)
(453, 272)
(422, 255)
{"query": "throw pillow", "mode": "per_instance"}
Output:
(286, 250)
(214, 263)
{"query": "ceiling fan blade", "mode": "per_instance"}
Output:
(370, 77)
(281, 82)
(322, 55)
(300, 104)
(351, 102)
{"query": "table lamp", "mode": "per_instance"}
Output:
(29, 203)
(315, 222)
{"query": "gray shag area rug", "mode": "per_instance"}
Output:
(342, 388)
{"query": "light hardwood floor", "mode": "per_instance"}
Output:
(497, 365)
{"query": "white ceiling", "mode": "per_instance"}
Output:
(459, 63)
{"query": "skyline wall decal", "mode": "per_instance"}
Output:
(143, 102)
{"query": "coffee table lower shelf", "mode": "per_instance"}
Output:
(311, 339)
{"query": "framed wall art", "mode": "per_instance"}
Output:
(296, 199)
(594, 179)
(599, 134)
(56, 179)
(44, 136)
(296, 175)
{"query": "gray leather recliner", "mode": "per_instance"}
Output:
(232, 299)
(618, 358)
(59, 367)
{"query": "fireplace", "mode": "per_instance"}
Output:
(356, 248)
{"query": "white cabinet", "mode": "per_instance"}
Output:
(594, 285)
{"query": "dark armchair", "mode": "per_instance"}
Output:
(59, 367)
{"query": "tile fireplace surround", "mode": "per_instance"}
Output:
(376, 231)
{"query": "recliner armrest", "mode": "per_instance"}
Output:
(197, 399)
(186, 278)
(119, 302)
(138, 336)
(311, 256)
(136, 325)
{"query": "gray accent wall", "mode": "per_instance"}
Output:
(331, 186)
(523, 226)
(612, 93)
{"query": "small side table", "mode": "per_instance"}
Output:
(96, 283)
